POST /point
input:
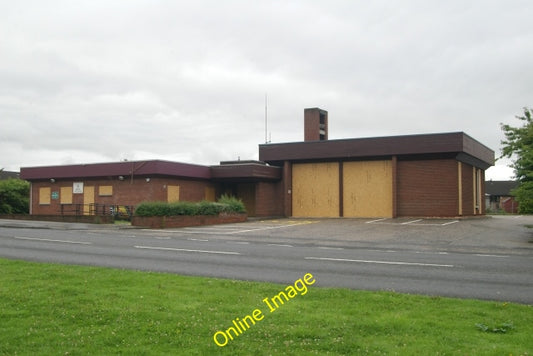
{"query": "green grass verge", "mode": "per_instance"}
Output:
(48, 309)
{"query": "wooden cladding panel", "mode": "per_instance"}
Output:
(315, 189)
(66, 195)
(44, 195)
(367, 189)
(173, 193)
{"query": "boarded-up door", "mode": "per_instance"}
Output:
(88, 199)
(315, 189)
(173, 193)
(367, 189)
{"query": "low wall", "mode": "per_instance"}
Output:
(87, 219)
(161, 222)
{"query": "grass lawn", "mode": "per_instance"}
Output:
(48, 309)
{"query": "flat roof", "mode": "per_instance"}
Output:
(245, 171)
(500, 187)
(459, 144)
(125, 168)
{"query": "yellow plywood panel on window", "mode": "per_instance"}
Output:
(315, 189)
(209, 193)
(88, 200)
(105, 190)
(66, 195)
(367, 189)
(44, 195)
(173, 193)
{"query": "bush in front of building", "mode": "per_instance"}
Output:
(14, 196)
(225, 204)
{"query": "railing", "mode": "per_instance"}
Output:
(124, 212)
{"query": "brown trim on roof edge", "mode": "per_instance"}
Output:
(365, 148)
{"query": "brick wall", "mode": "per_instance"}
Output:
(269, 199)
(124, 192)
(427, 188)
(467, 182)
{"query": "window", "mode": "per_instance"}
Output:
(66, 195)
(173, 193)
(44, 196)
(105, 190)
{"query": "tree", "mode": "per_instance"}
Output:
(518, 145)
(14, 196)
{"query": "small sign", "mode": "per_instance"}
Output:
(55, 195)
(77, 188)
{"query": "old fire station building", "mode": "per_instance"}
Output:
(439, 175)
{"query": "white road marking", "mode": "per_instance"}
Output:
(373, 221)
(51, 240)
(281, 245)
(379, 262)
(411, 222)
(449, 223)
(330, 248)
(202, 240)
(186, 250)
(238, 242)
(270, 227)
(483, 255)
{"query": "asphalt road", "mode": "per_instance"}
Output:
(488, 259)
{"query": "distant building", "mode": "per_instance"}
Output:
(499, 197)
(438, 174)
(8, 175)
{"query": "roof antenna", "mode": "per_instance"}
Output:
(266, 118)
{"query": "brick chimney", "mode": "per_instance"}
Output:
(315, 124)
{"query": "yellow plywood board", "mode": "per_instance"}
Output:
(367, 189)
(173, 193)
(209, 193)
(88, 199)
(105, 190)
(315, 189)
(44, 196)
(66, 195)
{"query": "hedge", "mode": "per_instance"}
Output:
(225, 204)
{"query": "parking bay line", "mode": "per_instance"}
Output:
(280, 245)
(186, 250)
(379, 262)
(269, 228)
(52, 240)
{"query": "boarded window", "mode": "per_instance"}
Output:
(105, 190)
(173, 193)
(66, 195)
(209, 193)
(44, 196)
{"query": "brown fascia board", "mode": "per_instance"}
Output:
(250, 171)
(361, 148)
(127, 168)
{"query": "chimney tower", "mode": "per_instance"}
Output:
(315, 124)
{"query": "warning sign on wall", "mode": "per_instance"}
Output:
(77, 188)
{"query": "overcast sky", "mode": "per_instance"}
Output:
(98, 81)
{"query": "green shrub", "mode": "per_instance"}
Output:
(155, 208)
(226, 204)
(209, 208)
(233, 204)
(182, 208)
(14, 196)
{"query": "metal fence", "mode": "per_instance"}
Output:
(118, 211)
